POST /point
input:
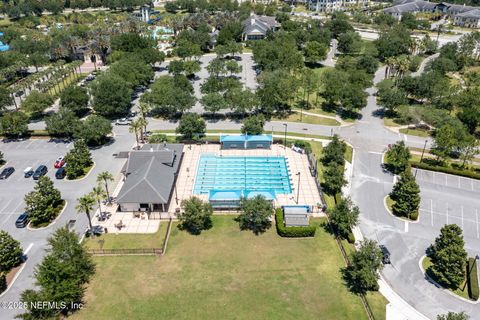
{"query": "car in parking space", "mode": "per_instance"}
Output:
(22, 220)
(90, 77)
(123, 122)
(59, 162)
(385, 254)
(41, 171)
(7, 172)
(60, 174)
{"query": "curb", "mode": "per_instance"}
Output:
(398, 218)
(51, 223)
(439, 286)
(85, 176)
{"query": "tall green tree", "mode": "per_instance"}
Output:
(85, 205)
(5, 98)
(363, 272)
(94, 130)
(78, 159)
(397, 157)
(60, 277)
(214, 102)
(105, 177)
(406, 194)
(14, 124)
(191, 126)
(195, 216)
(255, 214)
(253, 125)
(111, 95)
(344, 217)
(10, 252)
(42, 204)
(75, 99)
(36, 102)
(334, 179)
(63, 124)
(334, 152)
(449, 257)
(349, 43)
(314, 51)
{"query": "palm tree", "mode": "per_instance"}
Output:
(135, 126)
(104, 177)
(85, 204)
(142, 122)
(98, 194)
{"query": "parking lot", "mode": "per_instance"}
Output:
(449, 199)
(447, 180)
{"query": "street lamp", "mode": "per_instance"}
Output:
(285, 140)
(421, 157)
(298, 186)
(470, 271)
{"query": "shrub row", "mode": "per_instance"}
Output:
(351, 238)
(292, 232)
(472, 279)
(449, 170)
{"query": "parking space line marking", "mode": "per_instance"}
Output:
(405, 137)
(28, 248)
(431, 210)
(5, 207)
(406, 226)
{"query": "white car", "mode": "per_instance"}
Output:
(123, 122)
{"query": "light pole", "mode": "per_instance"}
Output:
(285, 140)
(421, 157)
(298, 186)
(470, 271)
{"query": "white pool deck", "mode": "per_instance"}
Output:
(297, 162)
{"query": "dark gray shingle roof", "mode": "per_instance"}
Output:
(150, 173)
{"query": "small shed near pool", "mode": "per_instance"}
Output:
(296, 216)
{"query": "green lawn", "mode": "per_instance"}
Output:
(226, 273)
(389, 122)
(72, 78)
(128, 241)
(295, 117)
(318, 111)
(416, 132)
(427, 263)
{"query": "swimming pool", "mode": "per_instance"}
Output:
(242, 173)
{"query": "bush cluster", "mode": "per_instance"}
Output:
(292, 232)
(305, 145)
(449, 170)
(472, 279)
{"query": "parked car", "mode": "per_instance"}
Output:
(41, 171)
(22, 220)
(28, 172)
(19, 93)
(123, 122)
(60, 174)
(7, 172)
(386, 254)
(90, 77)
(59, 162)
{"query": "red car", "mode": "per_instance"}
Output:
(59, 162)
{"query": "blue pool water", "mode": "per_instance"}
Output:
(242, 173)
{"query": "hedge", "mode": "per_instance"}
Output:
(292, 232)
(449, 170)
(472, 279)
